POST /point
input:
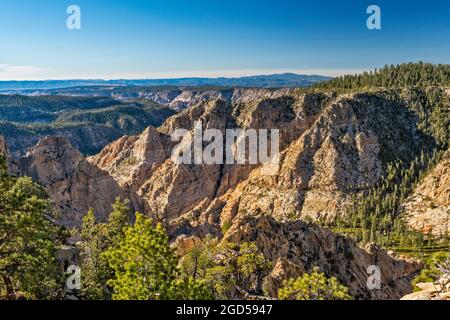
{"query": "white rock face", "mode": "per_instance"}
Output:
(428, 209)
(74, 185)
(330, 148)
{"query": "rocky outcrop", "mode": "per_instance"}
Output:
(296, 247)
(439, 290)
(131, 160)
(74, 185)
(339, 154)
(180, 99)
(331, 147)
(3, 148)
(10, 162)
(428, 209)
(143, 162)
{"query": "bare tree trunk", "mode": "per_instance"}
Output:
(9, 286)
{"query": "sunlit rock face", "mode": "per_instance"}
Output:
(74, 185)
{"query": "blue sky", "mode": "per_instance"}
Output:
(176, 38)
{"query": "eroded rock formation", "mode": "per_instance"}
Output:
(74, 185)
(428, 209)
(296, 247)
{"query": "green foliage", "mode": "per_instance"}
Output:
(314, 286)
(130, 119)
(96, 238)
(89, 122)
(403, 75)
(143, 263)
(227, 268)
(28, 240)
(118, 220)
(431, 273)
(145, 267)
(93, 267)
(226, 226)
(373, 215)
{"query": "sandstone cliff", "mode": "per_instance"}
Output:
(10, 162)
(143, 162)
(428, 209)
(331, 147)
(180, 99)
(74, 185)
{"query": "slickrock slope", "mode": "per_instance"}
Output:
(73, 184)
(297, 247)
(183, 99)
(428, 209)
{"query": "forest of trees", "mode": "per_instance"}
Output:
(397, 76)
(375, 215)
(124, 261)
(89, 122)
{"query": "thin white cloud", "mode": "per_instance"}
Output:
(9, 72)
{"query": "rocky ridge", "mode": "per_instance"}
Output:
(74, 185)
(330, 147)
(428, 209)
(180, 99)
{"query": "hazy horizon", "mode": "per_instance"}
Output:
(194, 76)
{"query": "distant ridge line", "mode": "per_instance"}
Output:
(261, 81)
